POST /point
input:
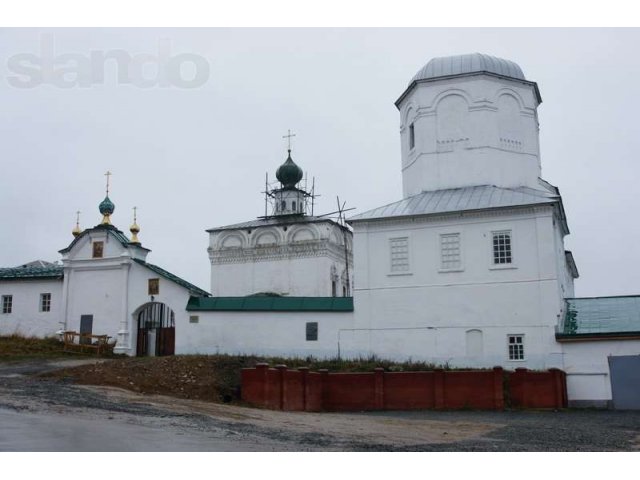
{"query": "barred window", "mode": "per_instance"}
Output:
(7, 303)
(516, 347)
(399, 254)
(45, 302)
(450, 251)
(502, 248)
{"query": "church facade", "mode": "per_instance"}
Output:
(468, 268)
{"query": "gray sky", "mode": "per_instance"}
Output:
(192, 159)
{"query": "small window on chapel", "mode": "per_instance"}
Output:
(412, 137)
(45, 302)
(98, 249)
(154, 286)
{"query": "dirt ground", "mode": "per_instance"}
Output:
(31, 400)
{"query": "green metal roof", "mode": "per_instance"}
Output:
(601, 317)
(28, 272)
(271, 304)
(174, 278)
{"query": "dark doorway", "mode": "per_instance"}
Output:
(625, 382)
(86, 327)
(156, 331)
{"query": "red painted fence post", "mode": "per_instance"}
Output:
(282, 370)
(304, 371)
(498, 388)
(324, 388)
(378, 388)
(263, 370)
(558, 388)
(438, 388)
(524, 393)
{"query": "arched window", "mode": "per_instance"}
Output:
(283, 206)
(293, 206)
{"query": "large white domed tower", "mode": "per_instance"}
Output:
(469, 120)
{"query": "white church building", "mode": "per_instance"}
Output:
(468, 268)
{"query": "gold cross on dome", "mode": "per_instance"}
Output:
(288, 137)
(135, 211)
(108, 174)
(78, 217)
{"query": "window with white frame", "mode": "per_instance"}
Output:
(45, 302)
(502, 253)
(450, 252)
(7, 303)
(516, 347)
(399, 249)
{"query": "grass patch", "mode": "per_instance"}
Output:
(15, 347)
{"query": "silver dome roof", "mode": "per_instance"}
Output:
(470, 63)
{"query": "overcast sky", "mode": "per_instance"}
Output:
(195, 158)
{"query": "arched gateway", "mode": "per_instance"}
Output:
(156, 330)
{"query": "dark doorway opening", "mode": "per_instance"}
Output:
(156, 331)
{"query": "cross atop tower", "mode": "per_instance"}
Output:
(108, 174)
(288, 137)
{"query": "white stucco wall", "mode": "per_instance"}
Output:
(25, 317)
(426, 313)
(294, 259)
(475, 130)
(587, 367)
(261, 333)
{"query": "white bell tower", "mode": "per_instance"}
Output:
(469, 120)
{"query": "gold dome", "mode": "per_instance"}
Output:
(76, 231)
(134, 228)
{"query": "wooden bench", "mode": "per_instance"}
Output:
(85, 342)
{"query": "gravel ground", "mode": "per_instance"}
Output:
(570, 430)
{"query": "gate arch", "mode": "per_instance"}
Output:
(156, 330)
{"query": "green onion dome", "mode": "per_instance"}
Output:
(106, 206)
(289, 174)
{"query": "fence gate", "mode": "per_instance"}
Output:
(156, 331)
(625, 382)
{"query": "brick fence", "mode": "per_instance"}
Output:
(301, 390)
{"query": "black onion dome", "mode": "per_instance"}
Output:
(289, 174)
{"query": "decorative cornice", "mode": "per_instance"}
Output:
(440, 217)
(278, 252)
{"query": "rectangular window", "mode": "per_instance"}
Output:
(502, 248)
(450, 252)
(412, 136)
(399, 254)
(154, 286)
(312, 331)
(7, 303)
(98, 248)
(516, 347)
(45, 302)
(194, 319)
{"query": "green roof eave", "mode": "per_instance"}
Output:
(174, 278)
(270, 304)
(590, 337)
